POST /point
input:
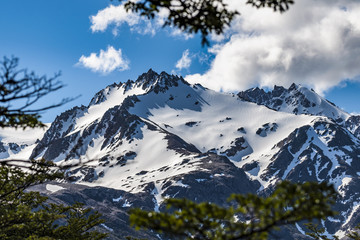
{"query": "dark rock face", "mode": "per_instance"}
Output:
(11, 147)
(14, 147)
(118, 118)
(148, 82)
(341, 136)
(179, 145)
(159, 82)
(216, 179)
(353, 125)
(112, 204)
(265, 129)
(274, 99)
(215, 182)
(59, 129)
(59, 139)
(257, 96)
(239, 145)
(2, 147)
(306, 155)
(327, 149)
(101, 95)
(294, 100)
(242, 130)
(88, 173)
(191, 124)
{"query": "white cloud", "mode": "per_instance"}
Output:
(112, 15)
(176, 32)
(116, 16)
(106, 61)
(316, 43)
(184, 61)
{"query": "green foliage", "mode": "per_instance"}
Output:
(27, 215)
(317, 232)
(20, 119)
(276, 5)
(249, 217)
(204, 16)
(201, 16)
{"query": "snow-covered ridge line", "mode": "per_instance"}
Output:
(296, 99)
(162, 137)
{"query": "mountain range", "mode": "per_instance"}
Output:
(160, 137)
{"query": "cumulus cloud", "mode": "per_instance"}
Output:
(112, 15)
(106, 61)
(184, 61)
(117, 16)
(316, 43)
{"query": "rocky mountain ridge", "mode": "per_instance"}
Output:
(160, 137)
(296, 99)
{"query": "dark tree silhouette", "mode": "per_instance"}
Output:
(26, 214)
(200, 16)
(249, 217)
(20, 90)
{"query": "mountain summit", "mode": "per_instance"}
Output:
(146, 82)
(160, 137)
(296, 99)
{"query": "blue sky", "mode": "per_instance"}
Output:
(51, 36)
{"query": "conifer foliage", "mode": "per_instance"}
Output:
(200, 16)
(248, 216)
(28, 215)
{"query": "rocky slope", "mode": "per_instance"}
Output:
(296, 99)
(160, 137)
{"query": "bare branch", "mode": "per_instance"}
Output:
(20, 90)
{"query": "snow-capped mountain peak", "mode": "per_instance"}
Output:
(159, 137)
(296, 99)
(146, 82)
(152, 81)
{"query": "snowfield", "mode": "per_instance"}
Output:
(163, 137)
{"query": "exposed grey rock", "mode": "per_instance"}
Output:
(303, 156)
(328, 149)
(239, 145)
(242, 130)
(296, 100)
(62, 125)
(191, 124)
(266, 128)
(2, 147)
(108, 202)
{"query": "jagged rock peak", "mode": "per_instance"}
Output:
(149, 76)
(100, 96)
(293, 86)
(152, 79)
(146, 82)
(62, 125)
(296, 99)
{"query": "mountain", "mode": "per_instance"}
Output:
(19, 143)
(353, 125)
(296, 99)
(157, 137)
